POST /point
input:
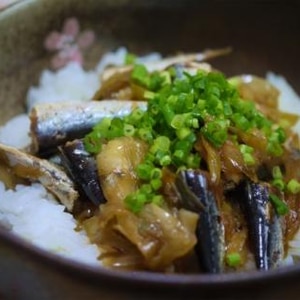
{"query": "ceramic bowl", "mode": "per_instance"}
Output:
(264, 35)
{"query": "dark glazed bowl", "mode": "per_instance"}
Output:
(264, 36)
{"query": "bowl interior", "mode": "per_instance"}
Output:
(263, 36)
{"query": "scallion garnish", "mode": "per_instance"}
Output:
(280, 207)
(179, 111)
(247, 153)
(233, 259)
(130, 58)
(293, 186)
(276, 172)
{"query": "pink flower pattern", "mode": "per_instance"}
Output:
(6, 3)
(68, 45)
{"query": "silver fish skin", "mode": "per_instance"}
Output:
(275, 243)
(265, 226)
(54, 124)
(192, 185)
(49, 175)
(257, 213)
(82, 168)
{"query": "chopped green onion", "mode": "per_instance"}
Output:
(165, 160)
(92, 144)
(281, 135)
(249, 159)
(241, 121)
(161, 143)
(233, 259)
(149, 95)
(193, 161)
(135, 202)
(144, 171)
(179, 154)
(140, 75)
(275, 140)
(130, 59)
(293, 186)
(166, 77)
(146, 189)
(129, 130)
(276, 173)
(179, 111)
(136, 115)
(183, 132)
(178, 121)
(157, 199)
(156, 173)
(216, 132)
(274, 148)
(278, 183)
(156, 184)
(145, 134)
(280, 207)
(247, 153)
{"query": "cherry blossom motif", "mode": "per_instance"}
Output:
(68, 45)
(6, 3)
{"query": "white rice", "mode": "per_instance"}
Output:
(57, 86)
(31, 212)
(19, 126)
(70, 83)
(289, 101)
(117, 58)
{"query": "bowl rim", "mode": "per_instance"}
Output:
(143, 278)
